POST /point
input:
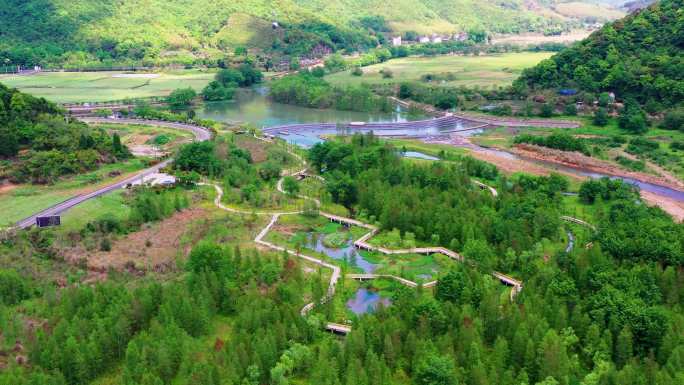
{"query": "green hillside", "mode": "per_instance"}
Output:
(640, 57)
(160, 31)
(37, 143)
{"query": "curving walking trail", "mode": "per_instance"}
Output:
(200, 133)
(361, 243)
(203, 134)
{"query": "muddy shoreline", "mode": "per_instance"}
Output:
(508, 165)
(584, 163)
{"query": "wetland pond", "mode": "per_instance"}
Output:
(347, 252)
(366, 301)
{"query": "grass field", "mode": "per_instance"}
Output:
(70, 87)
(484, 71)
(25, 200)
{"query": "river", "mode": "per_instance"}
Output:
(253, 106)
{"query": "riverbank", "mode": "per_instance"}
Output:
(586, 163)
(510, 164)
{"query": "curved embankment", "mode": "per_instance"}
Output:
(200, 133)
(490, 120)
(447, 123)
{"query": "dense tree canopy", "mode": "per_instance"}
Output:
(53, 145)
(640, 57)
(308, 90)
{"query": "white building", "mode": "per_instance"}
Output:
(436, 39)
(396, 41)
(424, 39)
(156, 179)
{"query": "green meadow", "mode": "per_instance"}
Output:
(73, 87)
(483, 71)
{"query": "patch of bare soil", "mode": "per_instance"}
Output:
(7, 187)
(669, 205)
(147, 150)
(257, 148)
(138, 139)
(289, 229)
(510, 165)
(154, 248)
(577, 160)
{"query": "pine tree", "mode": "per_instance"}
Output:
(623, 347)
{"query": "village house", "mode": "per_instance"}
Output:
(396, 41)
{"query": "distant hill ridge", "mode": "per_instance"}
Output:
(157, 31)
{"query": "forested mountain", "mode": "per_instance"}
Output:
(38, 144)
(158, 31)
(640, 57)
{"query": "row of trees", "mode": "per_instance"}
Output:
(558, 140)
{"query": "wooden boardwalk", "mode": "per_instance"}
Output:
(362, 243)
(578, 221)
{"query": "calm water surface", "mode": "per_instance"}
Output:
(366, 301)
(252, 106)
(347, 252)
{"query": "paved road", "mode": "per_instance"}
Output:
(201, 134)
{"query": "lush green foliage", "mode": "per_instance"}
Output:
(89, 32)
(608, 313)
(311, 91)
(53, 146)
(436, 202)
(181, 98)
(559, 141)
(639, 57)
(227, 79)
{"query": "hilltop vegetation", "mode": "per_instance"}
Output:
(156, 31)
(639, 57)
(39, 145)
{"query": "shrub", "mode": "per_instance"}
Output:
(546, 110)
(570, 109)
(601, 117)
(357, 71)
(674, 120)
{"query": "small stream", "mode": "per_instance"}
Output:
(644, 186)
(418, 155)
(571, 242)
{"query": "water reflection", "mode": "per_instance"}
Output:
(418, 155)
(253, 106)
(366, 301)
(347, 253)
